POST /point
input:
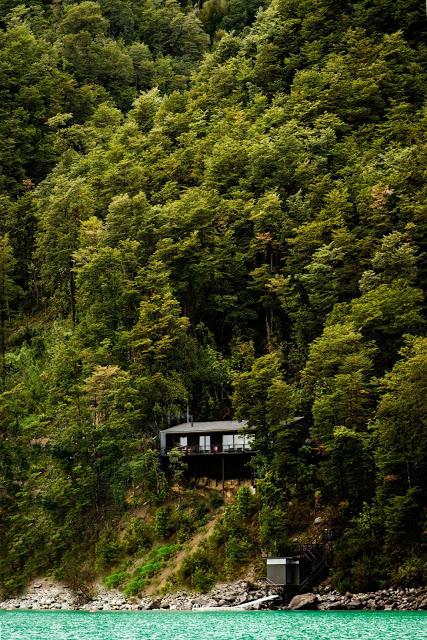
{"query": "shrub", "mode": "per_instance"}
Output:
(403, 518)
(216, 500)
(115, 579)
(365, 574)
(154, 564)
(163, 525)
(79, 578)
(203, 580)
(135, 585)
(185, 531)
(165, 552)
(299, 515)
(108, 550)
(412, 573)
(246, 502)
(201, 511)
(237, 552)
(273, 529)
(198, 570)
(136, 536)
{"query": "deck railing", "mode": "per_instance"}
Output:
(212, 450)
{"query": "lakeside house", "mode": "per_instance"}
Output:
(207, 438)
(219, 449)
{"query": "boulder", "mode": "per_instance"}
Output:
(335, 605)
(303, 601)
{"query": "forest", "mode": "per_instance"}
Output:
(218, 206)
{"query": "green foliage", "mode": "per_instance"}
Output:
(400, 420)
(146, 474)
(412, 572)
(273, 520)
(136, 536)
(115, 580)
(218, 209)
(154, 563)
(237, 553)
(245, 502)
(108, 550)
(198, 571)
(177, 466)
(134, 582)
(163, 524)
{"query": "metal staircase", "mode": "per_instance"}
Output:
(315, 555)
(314, 558)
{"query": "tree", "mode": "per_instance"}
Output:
(252, 391)
(102, 388)
(107, 297)
(348, 471)
(147, 474)
(400, 420)
(390, 304)
(90, 55)
(9, 292)
(160, 332)
(336, 376)
(60, 212)
(177, 466)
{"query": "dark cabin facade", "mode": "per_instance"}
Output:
(220, 449)
(205, 438)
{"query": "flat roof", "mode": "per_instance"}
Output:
(202, 427)
(214, 425)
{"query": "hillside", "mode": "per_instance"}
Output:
(216, 207)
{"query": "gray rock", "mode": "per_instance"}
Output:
(335, 605)
(303, 601)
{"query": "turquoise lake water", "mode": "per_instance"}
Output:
(256, 625)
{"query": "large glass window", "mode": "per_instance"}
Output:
(239, 442)
(205, 443)
(236, 442)
(227, 442)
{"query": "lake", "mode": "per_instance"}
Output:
(183, 625)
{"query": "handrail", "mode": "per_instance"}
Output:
(212, 450)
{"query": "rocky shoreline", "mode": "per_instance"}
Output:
(47, 595)
(393, 599)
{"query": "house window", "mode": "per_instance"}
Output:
(239, 442)
(246, 442)
(227, 442)
(236, 442)
(183, 442)
(205, 443)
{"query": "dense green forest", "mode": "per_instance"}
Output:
(218, 205)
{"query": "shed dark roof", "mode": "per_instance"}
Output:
(203, 427)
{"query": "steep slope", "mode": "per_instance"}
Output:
(232, 224)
